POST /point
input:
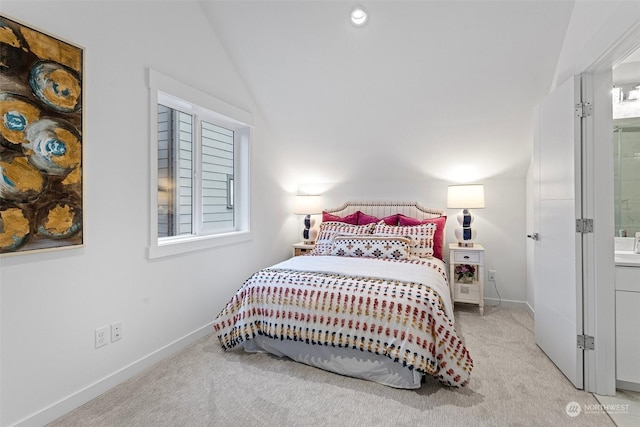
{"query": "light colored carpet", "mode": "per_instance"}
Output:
(513, 384)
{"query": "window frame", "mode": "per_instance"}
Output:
(193, 101)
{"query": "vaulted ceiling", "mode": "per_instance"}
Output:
(425, 88)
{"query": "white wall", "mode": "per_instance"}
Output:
(530, 227)
(52, 302)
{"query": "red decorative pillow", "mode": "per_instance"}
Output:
(364, 219)
(438, 238)
(349, 219)
(391, 219)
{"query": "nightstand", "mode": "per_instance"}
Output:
(302, 248)
(466, 274)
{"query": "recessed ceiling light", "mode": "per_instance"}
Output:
(359, 16)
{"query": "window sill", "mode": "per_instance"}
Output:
(178, 246)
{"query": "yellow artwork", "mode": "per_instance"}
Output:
(41, 146)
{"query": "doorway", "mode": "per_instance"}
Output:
(599, 264)
(626, 145)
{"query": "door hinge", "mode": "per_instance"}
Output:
(585, 342)
(584, 109)
(584, 225)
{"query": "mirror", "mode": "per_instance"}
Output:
(626, 146)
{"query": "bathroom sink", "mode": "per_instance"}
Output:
(627, 258)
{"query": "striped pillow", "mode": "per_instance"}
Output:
(421, 236)
(328, 230)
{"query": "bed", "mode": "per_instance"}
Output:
(370, 301)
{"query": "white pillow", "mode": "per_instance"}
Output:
(328, 230)
(386, 247)
(421, 236)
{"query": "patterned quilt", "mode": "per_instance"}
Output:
(330, 301)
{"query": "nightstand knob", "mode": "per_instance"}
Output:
(466, 257)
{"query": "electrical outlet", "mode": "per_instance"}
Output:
(116, 332)
(102, 336)
(492, 275)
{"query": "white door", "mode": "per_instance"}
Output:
(558, 250)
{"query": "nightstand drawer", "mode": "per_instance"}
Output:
(301, 251)
(466, 256)
(302, 248)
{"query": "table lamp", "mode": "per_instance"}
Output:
(465, 197)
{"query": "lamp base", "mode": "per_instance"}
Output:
(309, 234)
(465, 234)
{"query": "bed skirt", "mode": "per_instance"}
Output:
(344, 361)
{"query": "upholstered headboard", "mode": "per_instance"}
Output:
(383, 209)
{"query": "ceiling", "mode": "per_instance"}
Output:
(425, 88)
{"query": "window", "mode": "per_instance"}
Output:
(179, 159)
(200, 182)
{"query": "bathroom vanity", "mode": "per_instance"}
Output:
(627, 283)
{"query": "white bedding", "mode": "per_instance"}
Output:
(351, 266)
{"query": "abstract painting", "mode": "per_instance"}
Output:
(41, 147)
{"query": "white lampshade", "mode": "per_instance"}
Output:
(466, 196)
(307, 205)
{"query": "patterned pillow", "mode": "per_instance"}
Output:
(328, 230)
(438, 237)
(392, 247)
(421, 235)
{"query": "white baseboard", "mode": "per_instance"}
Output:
(625, 385)
(531, 311)
(520, 305)
(94, 390)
